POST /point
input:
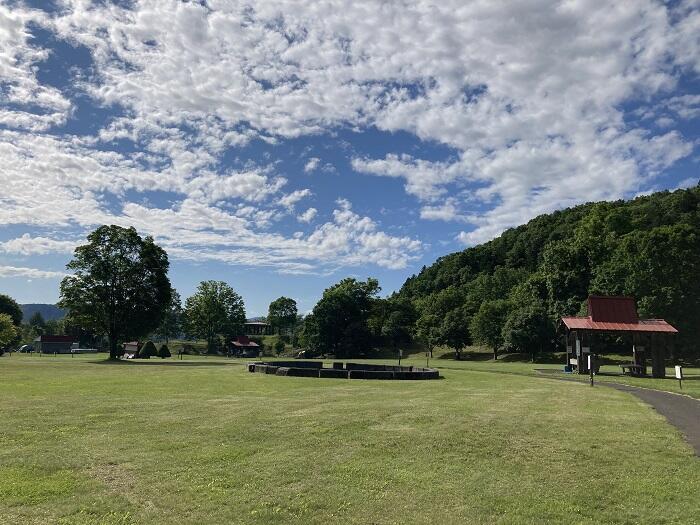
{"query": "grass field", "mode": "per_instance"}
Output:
(203, 441)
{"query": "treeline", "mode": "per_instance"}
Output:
(510, 292)
(506, 294)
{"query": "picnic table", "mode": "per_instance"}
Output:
(632, 370)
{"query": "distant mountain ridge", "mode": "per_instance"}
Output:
(49, 312)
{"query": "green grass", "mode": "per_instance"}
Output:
(203, 441)
(519, 364)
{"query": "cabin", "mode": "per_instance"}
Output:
(242, 346)
(617, 315)
(54, 344)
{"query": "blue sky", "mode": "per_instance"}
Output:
(283, 146)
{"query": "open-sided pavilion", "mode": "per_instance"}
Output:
(617, 316)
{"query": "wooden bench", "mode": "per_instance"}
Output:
(632, 370)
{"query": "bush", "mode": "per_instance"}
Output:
(164, 351)
(148, 350)
(279, 346)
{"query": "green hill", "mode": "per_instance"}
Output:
(49, 312)
(648, 247)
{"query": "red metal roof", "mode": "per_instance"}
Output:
(243, 341)
(643, 325)
(612, 309)
(615, 314)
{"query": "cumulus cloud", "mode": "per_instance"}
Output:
(28, 245)
(289, 200)
(312, 164)
(308, 215)
(531, 101)
(30, 273)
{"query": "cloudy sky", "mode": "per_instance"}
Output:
(281, 146)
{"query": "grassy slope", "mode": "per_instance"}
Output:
(203, 441)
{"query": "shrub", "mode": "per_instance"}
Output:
(164, 351)
(279, 346)
(148, 350)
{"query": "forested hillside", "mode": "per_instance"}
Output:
(49, 312)
(510, 291)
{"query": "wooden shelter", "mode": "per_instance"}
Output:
(617, 316)
(244, 347)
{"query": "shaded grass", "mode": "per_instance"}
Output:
(211, 443)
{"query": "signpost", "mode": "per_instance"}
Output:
(590, 366)
(679, 375)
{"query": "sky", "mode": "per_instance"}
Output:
(282, 146)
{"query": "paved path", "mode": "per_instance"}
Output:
(681, 411)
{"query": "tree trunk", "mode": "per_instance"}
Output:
(113, 354)
(495, 353)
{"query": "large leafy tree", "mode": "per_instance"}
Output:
(213, 312)
(120, 286)
(487, 325)
(529, 330)
(282, 314)
(339, 324)
(10, 307)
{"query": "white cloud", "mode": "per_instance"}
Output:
(289, 200)
(312, 164)
(31, 273)
(531, 98)
(447, 211)
(28, 245)
(308, 215)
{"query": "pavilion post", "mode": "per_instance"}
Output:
(658, 365)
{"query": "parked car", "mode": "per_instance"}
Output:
(25, 349)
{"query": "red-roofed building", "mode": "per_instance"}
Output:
(244, 347)
(54, 344)
(617, 315)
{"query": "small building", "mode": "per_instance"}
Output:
(242, 346)
(54, 344)
(617, 315)
(257, 328)
(131, 349)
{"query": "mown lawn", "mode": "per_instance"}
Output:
(203, 441)
(517, 364)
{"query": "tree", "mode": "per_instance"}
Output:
(172, 318)
(8, 331)
(10, 307)
(214, 311)
(148, 350)
(279, 346)
(37, 323)
(282, 314)
(487, 325)
(528, 330)
(454, 331)
(339, 322)
(164, 352)
(120, 287)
